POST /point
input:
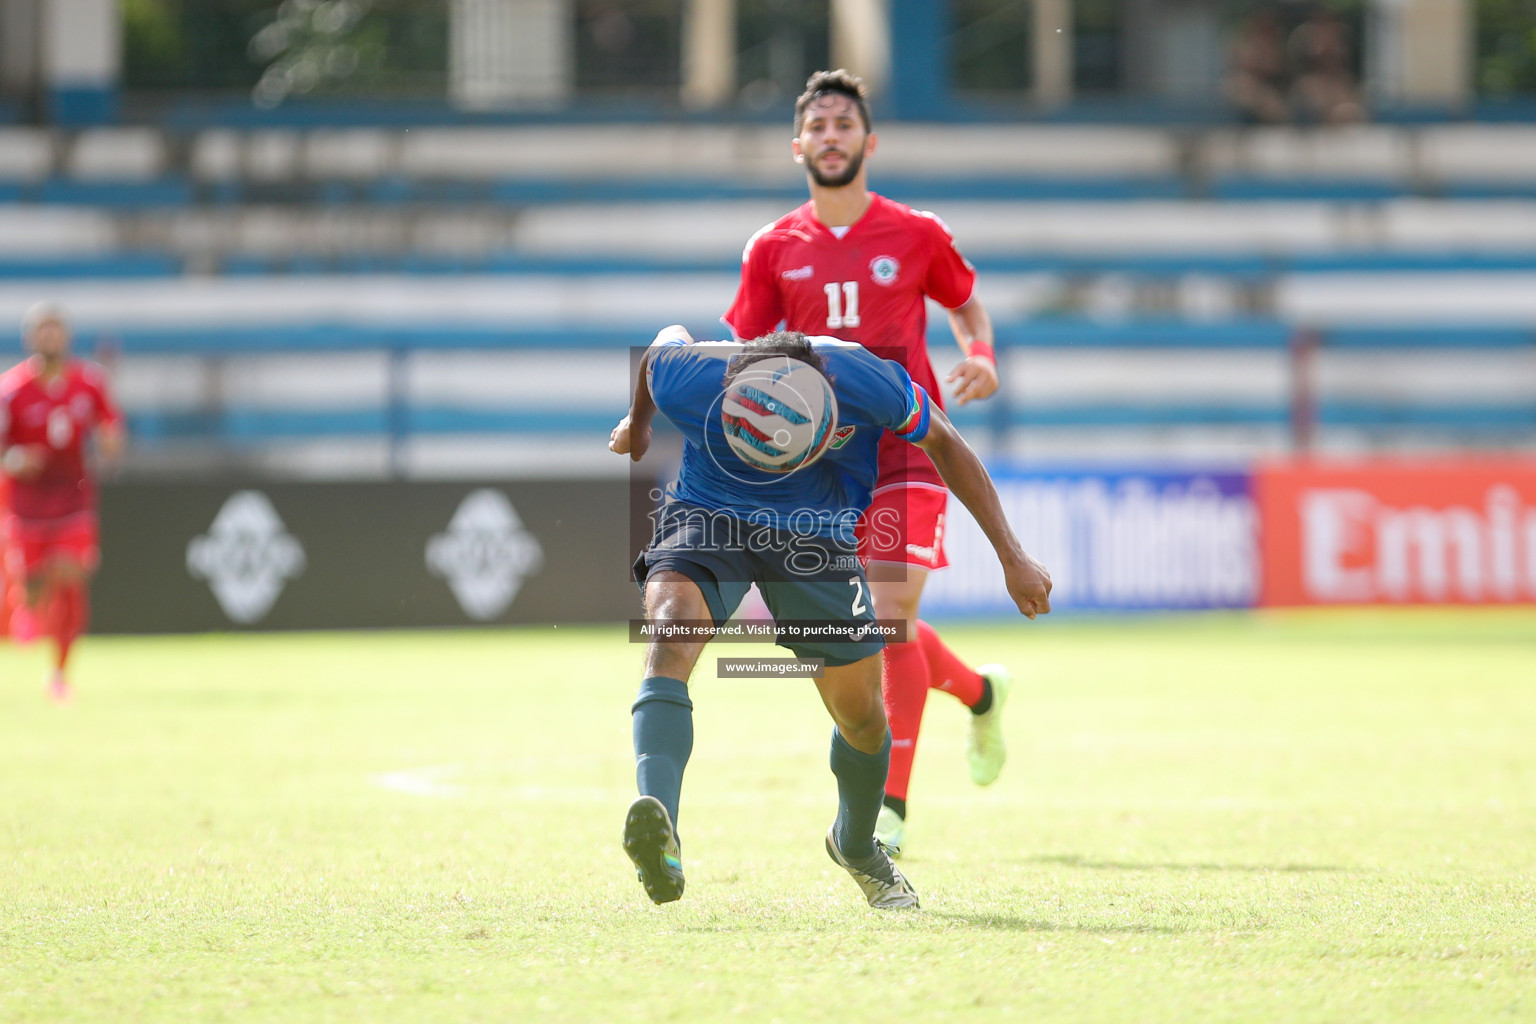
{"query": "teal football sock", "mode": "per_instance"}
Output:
(663, 730)
(860, 785)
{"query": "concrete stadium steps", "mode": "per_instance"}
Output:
(1430, 155)
(147, 167)
(1065, 228)
(1445, 301)
(700, 232)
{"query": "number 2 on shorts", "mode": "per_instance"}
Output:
(859, 607)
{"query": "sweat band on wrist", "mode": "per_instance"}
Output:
(983, 350)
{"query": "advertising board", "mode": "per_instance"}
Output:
(1112, 540)
(1398, 532)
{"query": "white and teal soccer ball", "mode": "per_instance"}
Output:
(779, 414)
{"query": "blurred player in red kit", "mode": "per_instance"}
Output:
(854, 265)
(49, 404)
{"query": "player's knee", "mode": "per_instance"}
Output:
(674, 660)
(895, 601)
(865, 727)
(855, 703)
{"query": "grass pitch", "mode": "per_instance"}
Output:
(1301, 817)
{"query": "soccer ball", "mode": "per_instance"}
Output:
(779, 414)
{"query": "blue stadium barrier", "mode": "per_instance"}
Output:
(1246, 268)
(166, 191)
(1247, 189)
(246, 425)
(1439, 261)
(1488, 190)
(176, 190)
(1042, 333)
(185, 115)
(241, 426)
(1432, 336)
(321, 337)
(1481, 418)
(1082, 333)
(507, 421)
(109, 266)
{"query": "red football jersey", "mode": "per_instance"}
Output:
(868, 286)
(55, 416)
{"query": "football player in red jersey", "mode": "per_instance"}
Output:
(49, 404)
(854, 265)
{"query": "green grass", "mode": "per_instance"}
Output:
(1230, 818)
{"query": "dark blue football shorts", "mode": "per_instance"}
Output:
(814, 581)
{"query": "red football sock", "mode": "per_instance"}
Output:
(904, 685)
(945, 669)
(67, 611)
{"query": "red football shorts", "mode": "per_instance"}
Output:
(30, 543)
(904, 525)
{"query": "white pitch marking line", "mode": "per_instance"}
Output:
(421, 781)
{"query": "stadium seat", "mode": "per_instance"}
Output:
(26, 154)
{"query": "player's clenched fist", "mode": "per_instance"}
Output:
(1029, 584)
(628, 439)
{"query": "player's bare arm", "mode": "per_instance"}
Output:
(1029, 584)
(111, 439)
(632, 436)
(976, 374)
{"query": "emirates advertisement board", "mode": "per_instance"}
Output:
(1398, 532)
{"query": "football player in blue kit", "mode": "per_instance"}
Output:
(725, 525)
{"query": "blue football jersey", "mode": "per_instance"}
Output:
(824, 498)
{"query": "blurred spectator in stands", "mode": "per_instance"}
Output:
(1258, 77)
(1325, 90)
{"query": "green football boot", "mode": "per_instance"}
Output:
(985, 750)
(651, 843)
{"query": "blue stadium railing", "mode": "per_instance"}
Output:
(178, 191)
(1242, 267)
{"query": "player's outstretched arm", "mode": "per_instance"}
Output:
(632, 436)
(1029, 584)
(975, 376)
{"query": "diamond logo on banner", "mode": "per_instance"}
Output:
(247, 556)
(485, 555)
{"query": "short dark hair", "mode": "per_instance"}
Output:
(842, 82)
(780, 343)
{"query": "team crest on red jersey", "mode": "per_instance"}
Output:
(884, 269)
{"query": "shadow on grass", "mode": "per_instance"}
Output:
(1004, 923)
(1073, 860)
